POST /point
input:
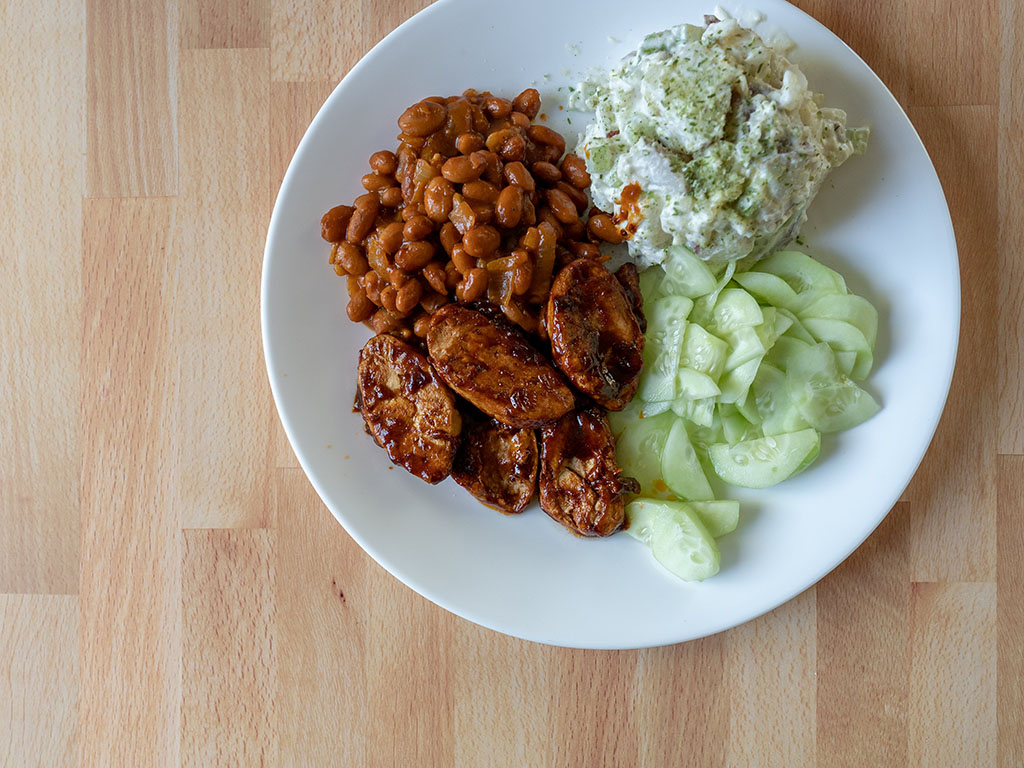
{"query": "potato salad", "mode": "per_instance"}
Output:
(709, 138)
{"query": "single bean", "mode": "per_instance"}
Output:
(602, 227)
(546, 172)
(384, 162)
(527, 102)
(433, 273)
(529, 213)
(462, 260)
(415, 255)
(391, 197)
(421, 324)
(508, 210)
(496, 138)
(483, 213)
(352, 259)
(417, 228)
(481, 241)
(469, 142)
(449, 237)
(578, 197)
(574, 169)
(437, 198)
(408, 296)
(432, 301)
(480, 121)
(334, 223)
(374, 182)
(422, 119)
(541, 134)
(372, 285)
(368, 200)
(384, 321)
(546, 216)
(359, 307)
(497, 108)
(513, 148)
(390, 237)
(387, 297)
(361, 223)
(460, 169)
(452, 276)
(473, 285)
(561, 206)
(480, 190)
(398, 277)
(519, 120)
(516, 173)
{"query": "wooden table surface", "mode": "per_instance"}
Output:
(172, 591)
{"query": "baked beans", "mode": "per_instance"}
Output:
(476, 203)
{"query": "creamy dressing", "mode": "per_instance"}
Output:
(721, 134)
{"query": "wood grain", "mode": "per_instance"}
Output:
(221, 478)
(229, 649)
(958, 473)
(866, 723)
(1010, 162)
(40, 295)
(130, 640)
(225, 23)
(38, 680)
(172, 591)
(131, 90)
(952, 703)
(1010, 616)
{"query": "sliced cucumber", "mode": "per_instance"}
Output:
(663, 343)
(775, 407)
(785, 347)
(796, 329)
(700, 412)
(703, 351)
(640, 449)
(736, 383)
(763, 462)
(696, 385)
(685, 274)
(826, 398)
(853, 309)
(767, 288)
(735, 426)
(676, 536)
(719, 517)
(745, 343)
(735, 308)
(838, 334)
(802, 272)
(681, 469)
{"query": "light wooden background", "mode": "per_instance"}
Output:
(173, 592)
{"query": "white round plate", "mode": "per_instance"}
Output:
(882, 221)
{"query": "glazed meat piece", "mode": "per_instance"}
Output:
(497, 464)
(493, 366)
(408, 410)
(595, 337)
(629, 278)
(580, 482)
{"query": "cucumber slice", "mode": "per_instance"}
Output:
(826, 398)
(862, 366)
(763, 462)
(802, 273)
(680, 468)
(676, 536)
(719, 517)
(653, 409)
(735, 426)
(745, 343)
(685, 274)
(663, 344)
(838, 334)
(856, 310)
(736, 383)
(767, 288)
(639, 451)
(700, 412)
(735, 308)
(703, 351)
(785, 347)
(845, 361)
(796, 328)
(696, 385)
(775, 407)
